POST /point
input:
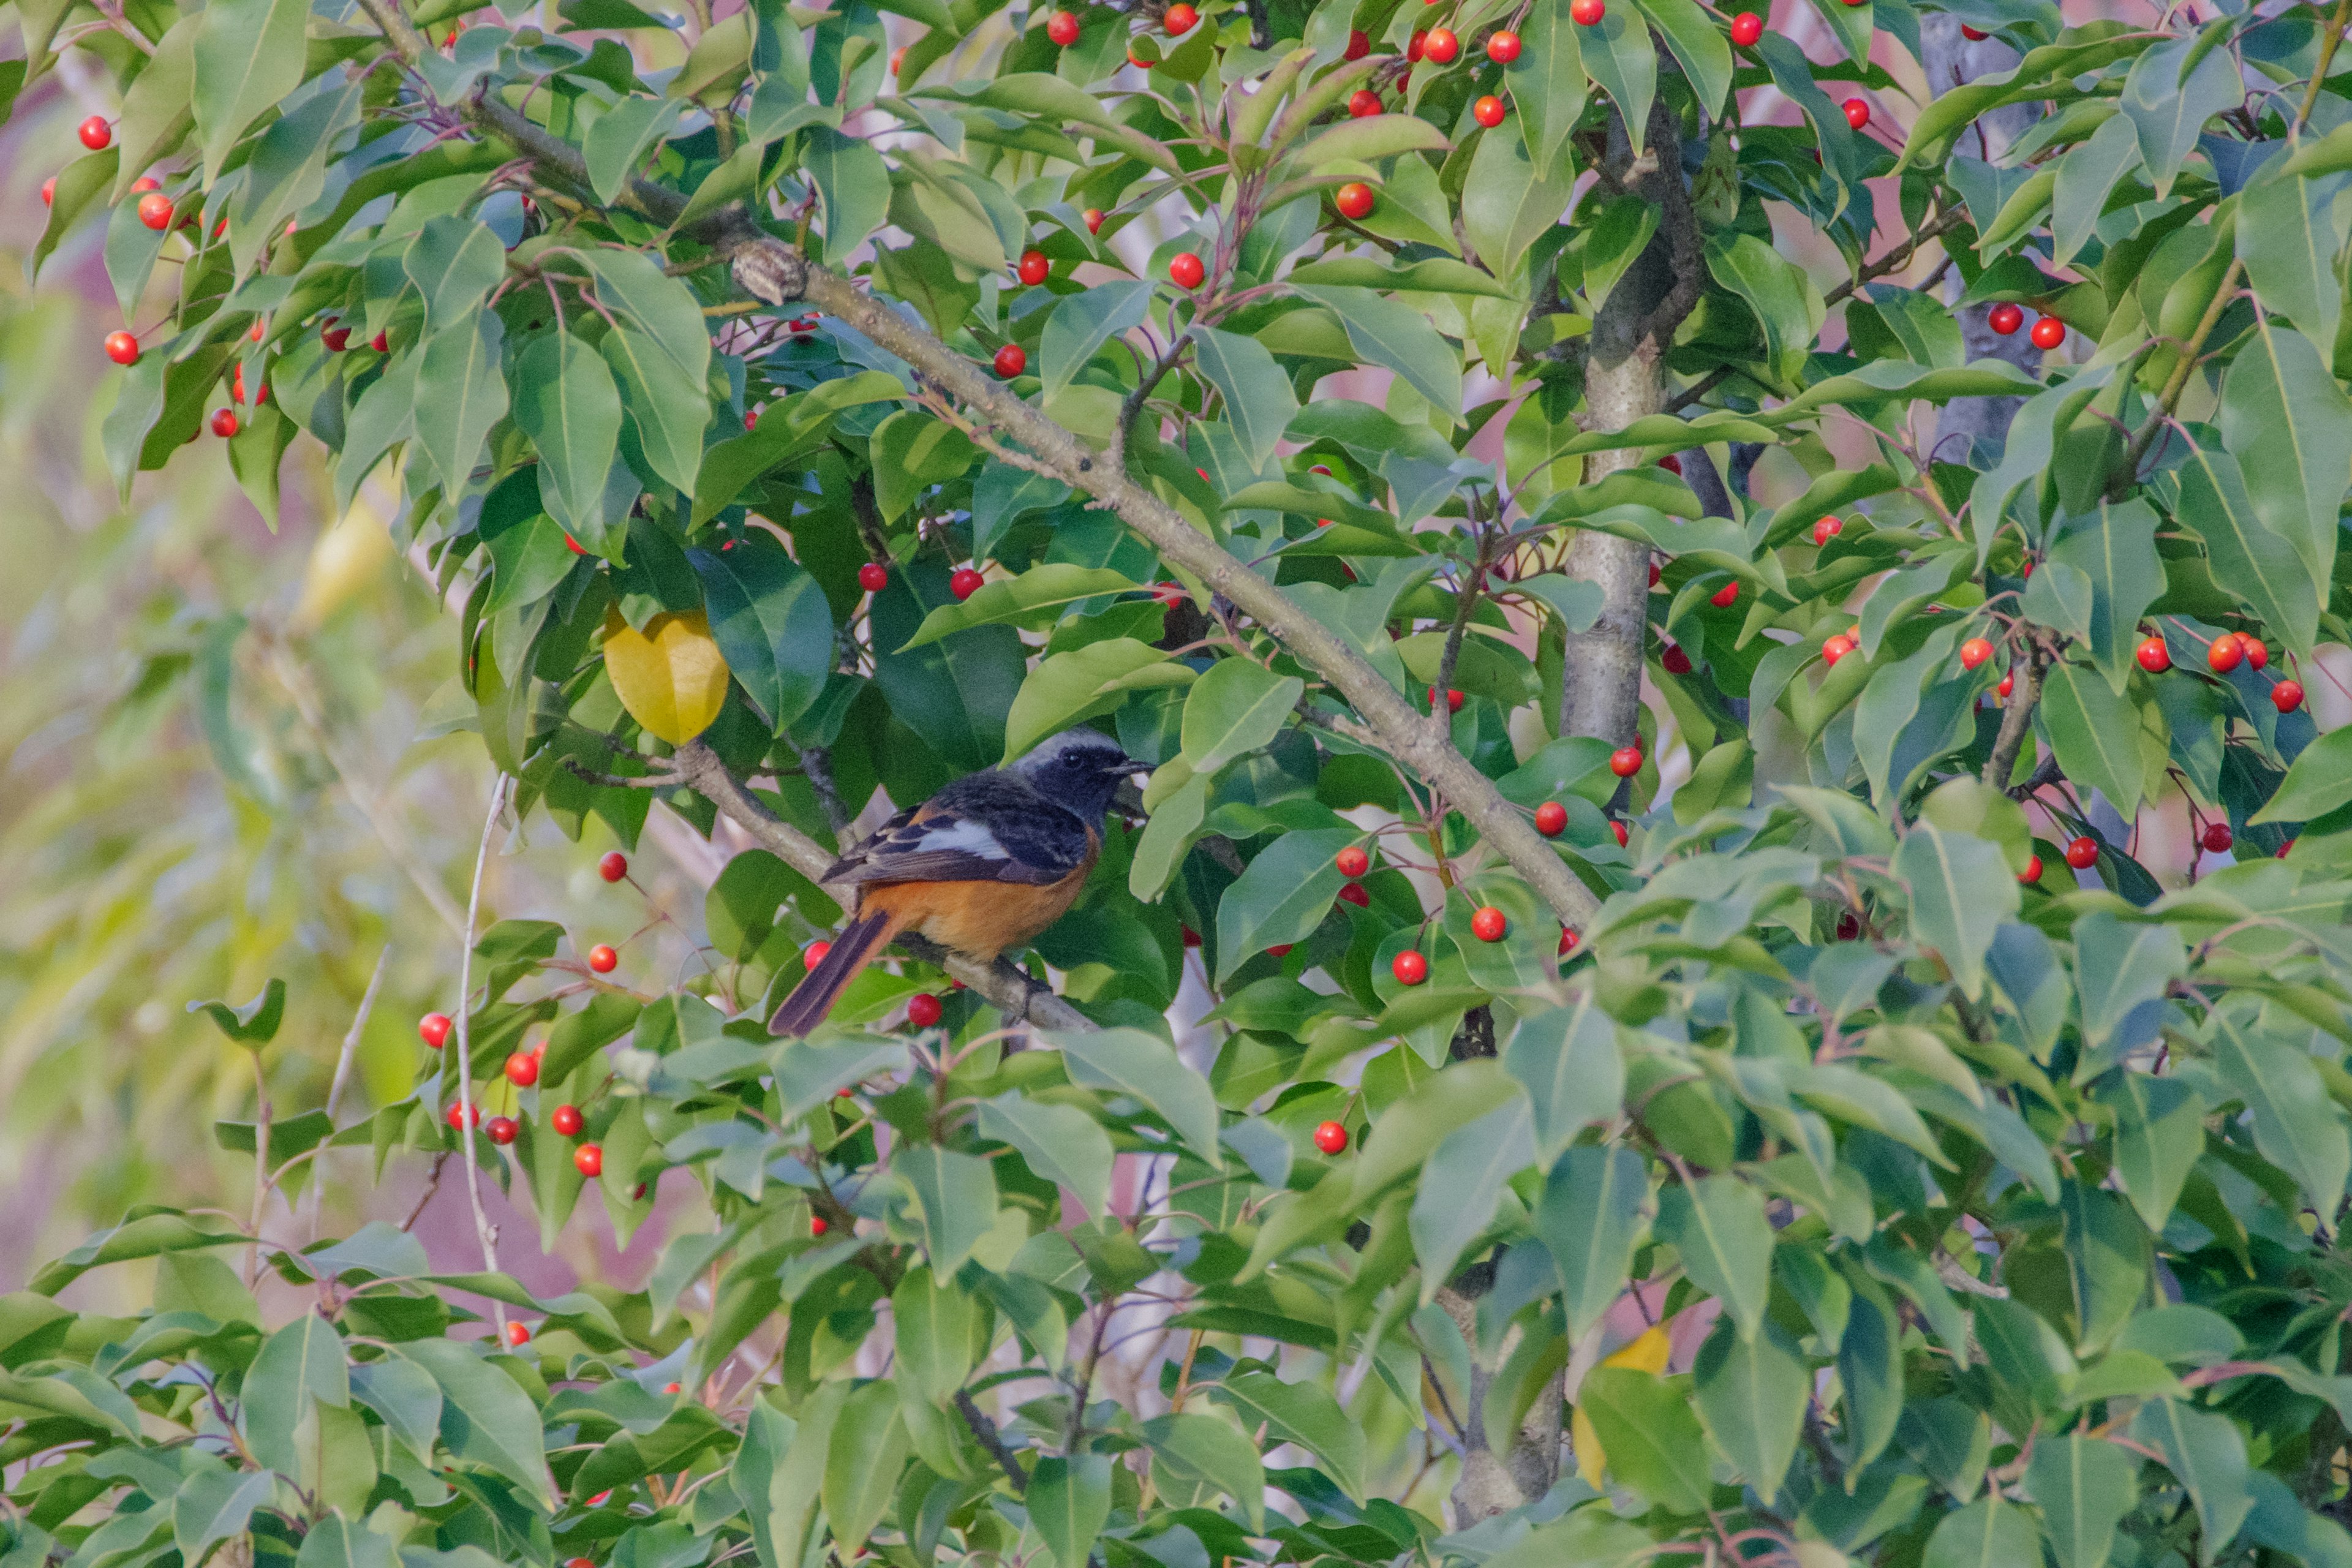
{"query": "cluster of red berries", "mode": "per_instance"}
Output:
(2048, 333)
(2227, 653)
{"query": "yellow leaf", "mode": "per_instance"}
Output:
(1647, 1353)
(670, 677)
(346, 558)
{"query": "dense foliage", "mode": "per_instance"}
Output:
(1798, 1164)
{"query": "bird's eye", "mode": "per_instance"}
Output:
(1072, 760)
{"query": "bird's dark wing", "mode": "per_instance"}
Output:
(982, 828)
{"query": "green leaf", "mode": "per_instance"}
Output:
(406, 1398)
(1370, 140)
(1082, 323)
(1698, 47)
(1281, 896)
(912, 452)
(1750, 1392)
(1018, 599)
(2169, 110)
(1961, 891)
(1783, 298)
(255, 1025)
(1989, 1533)
(772, 622)
(1653, 1441)
(217, 1505)
(1238, 707)
(2159, 1133)
(955, 1199)
(2296, 1126)
(159, 106)
(1455, 1200)
(935, 1327)
(1720, 1230)
(2108, 1258)
(1386, 333)
(1068, 689)
(2085, 1486)
(2288, 239)
(564, 400)
(1594, 1211)
(485, 1417)
(2086, 175)
(664, 400)
(2115, 549)
(1546, 82)
(2318, 782)
(865, 1452)
(1509, 200)
(1069, 1502)
(460, 395)
(1208, 1452)
(2208, 1454)
(1061, 1142)
(1623, 63)
(455, 262)
(1132, 1062)
(2249, 560)
(2290, 427)
(1567, 1060)
(2096, 732)
(622, 136)
(1257, 398)
(301, 1362)
(336, 1541)
(853, 187)
(1301, 1412)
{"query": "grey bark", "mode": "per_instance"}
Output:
(1492, 1483)
(1952, 61)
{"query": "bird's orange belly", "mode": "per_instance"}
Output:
(980, 919)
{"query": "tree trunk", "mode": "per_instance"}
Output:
(1954, 61)
(1492, 1483)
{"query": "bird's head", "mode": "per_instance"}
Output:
(1078, 770)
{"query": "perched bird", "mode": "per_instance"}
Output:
(986, 863)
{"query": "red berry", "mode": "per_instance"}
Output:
(1489, 924)
(1827, 529)
(1280, 949)
(874, 576)
(1441, 47)
(260, 326)
(122, 348)
(1409, 967)
(1675, 660)
(1332, 1138)
(1353, 861)
(1974, 652)
(1673, 463)
(1625, 762)
(1363, 103)
(49, 191)
(567, 1121)
(1618, 830)
(1353, 893)
(1972, 34)
(2226, 654)
(461, 1116)
(1722, 598)
(964, 582)
(1186, 270)
(1034, 266)
(503, 1130)
(1654, 573)
(1094, 217)
(1503, 47)
(1568, 941)
(2287, 695)
(589, 1158)
(1354, 200)
(1415, 45)
(2217, 839)
(613, 865)
(1193, 938)
(1179, 19)
(1857, 112)
(1487, 111)
(2284, 848)
(225, 422)
(602, 959)
(1746, 29)
(1552, 819)
(516, 1333)
(2032, 872)
(96, 133)
(2257, 656)
(1837, 647)
(2153, 655)
(2004, 319)
(2008, 684)
(1063, 28)
(2048, 333)
(522, 1070)
(2083, 853)
(1010, 361)
(155, 210)
(1360, 43)
(923, 1010)
(1454, 700)
(433, 1029)
(1587, 12)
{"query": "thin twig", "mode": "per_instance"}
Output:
(343, 1069)
(984, 1429)
(484, 1231)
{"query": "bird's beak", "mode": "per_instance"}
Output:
(1126, 767)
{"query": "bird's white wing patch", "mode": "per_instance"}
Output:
(959, 836)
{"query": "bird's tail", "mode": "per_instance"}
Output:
(813, 997)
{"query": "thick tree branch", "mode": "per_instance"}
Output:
(1007, 989)
(773, 272)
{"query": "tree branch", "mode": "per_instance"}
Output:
(467, 1113)
(984, 1430)
(2016, 718)
(1005, 986)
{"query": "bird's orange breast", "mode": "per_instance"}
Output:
(979, 920)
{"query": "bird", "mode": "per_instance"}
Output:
(987, 863)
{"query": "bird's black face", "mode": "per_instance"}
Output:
(1079, 770)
